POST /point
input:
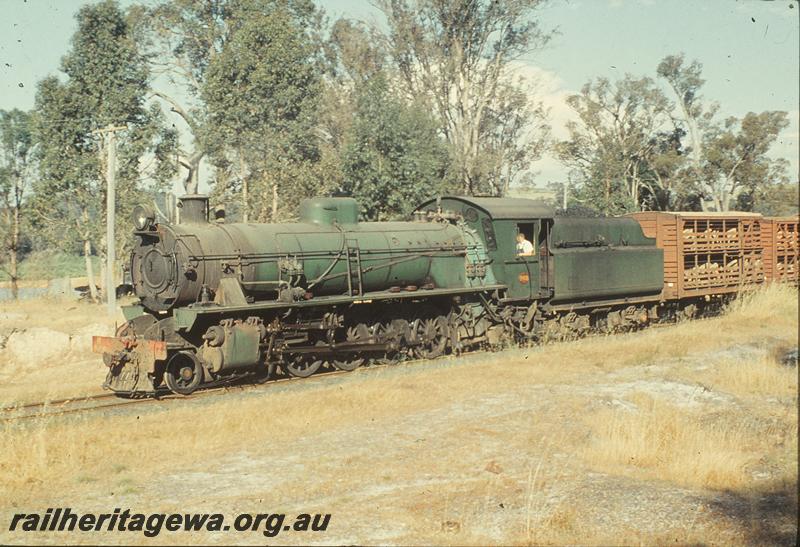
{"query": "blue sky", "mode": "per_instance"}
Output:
(750, 51)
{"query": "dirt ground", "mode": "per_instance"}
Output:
(685, 434)
(45, 349)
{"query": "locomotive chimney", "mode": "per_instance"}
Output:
(193, 209)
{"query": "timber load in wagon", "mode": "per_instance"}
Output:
(707, 253)
(781, 249)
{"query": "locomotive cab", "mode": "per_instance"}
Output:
(498, 221)
(571, 260)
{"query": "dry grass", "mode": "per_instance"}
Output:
(55, 313)
(687, 447)
(763, 376)
(723, 449)
(323, 407)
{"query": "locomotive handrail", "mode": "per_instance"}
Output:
(278, 282)
(319, 254)
(574, 244)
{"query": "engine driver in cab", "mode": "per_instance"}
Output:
(524, 247)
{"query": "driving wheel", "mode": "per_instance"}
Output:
(433, 336)
(357, 333)
(301, 365)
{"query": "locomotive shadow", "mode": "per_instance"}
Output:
(766, 516)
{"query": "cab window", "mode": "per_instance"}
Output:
(525, 243)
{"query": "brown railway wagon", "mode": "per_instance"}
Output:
(706, 253)
(780, 239)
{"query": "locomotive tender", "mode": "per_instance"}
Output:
(220, 301)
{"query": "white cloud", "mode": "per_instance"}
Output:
(548, 88)
(551, 90)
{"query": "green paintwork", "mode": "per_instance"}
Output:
(580, 258)
(329, 211)
(390, 253)
(593, 273)
(186, 317)
(492, 207)
(477, 257)
(575, 259)
(495, 220)
(132, 312)
(324, 255)
(240, 348)
(596, 258)
(611, 231)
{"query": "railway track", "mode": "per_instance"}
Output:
(103, 401)
(70, 405)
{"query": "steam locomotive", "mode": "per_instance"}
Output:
(220, 301)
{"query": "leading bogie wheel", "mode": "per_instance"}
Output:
(184, 373)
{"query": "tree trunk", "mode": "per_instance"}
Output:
(13, 254)
(719, 197)
(192, 164)
(725, 202)
(192, 180)
(274, 217)
(87, 255)
(244, 189)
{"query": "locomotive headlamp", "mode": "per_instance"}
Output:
(143, 217)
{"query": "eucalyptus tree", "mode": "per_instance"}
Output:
(697, 116)
(613, 145)
(729, 159)
(516, 133)
(454, 56)
(737, 162)
(16, 175)
(182, 38)
(104, 82)
(395, 156)
(261, 93)
(352, 57)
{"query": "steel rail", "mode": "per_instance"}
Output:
(56, 402)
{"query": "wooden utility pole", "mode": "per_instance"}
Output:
(111, 200)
